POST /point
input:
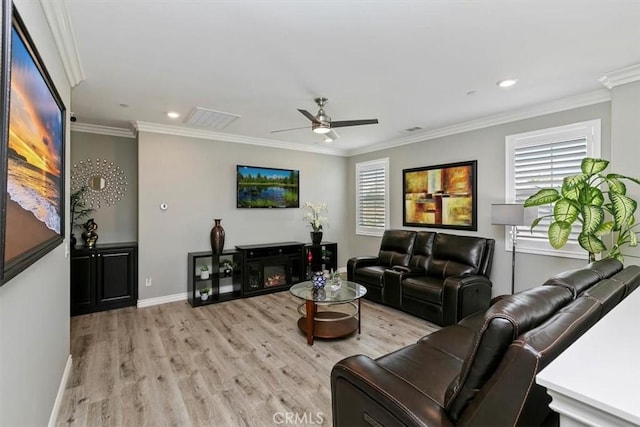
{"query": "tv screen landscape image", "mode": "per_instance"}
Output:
(259, 187)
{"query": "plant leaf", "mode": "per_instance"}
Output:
(570, 193)
(592, 166)
(559, 233)
(592, 217)
(597, 198)
(604, 228)
(591, 243)
(618, 176)
(616, 186)
(535, 223)
(564, 211)
(633, 239)
(542, 197)
(574, 180)
(623, 208)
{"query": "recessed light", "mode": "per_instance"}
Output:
(507, 82)
(173, 115)
(328, 139)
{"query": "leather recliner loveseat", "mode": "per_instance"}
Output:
(436, 276)
(481, 371)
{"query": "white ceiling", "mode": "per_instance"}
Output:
(407, 63)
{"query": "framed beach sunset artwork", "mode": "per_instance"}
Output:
(33, 155)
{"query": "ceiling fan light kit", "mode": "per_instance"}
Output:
(322, 124)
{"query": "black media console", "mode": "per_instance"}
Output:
(255, 269)
(270, 267)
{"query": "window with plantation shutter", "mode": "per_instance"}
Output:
(542, 159)
(372, 197)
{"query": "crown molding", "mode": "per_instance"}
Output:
(102, 130)
(621, 76)
(227, 137)
(57, 15)
(590, 98)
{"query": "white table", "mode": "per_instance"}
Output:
(596, 381)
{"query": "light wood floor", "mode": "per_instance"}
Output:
(241, 362)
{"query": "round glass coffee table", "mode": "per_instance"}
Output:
(329, 322)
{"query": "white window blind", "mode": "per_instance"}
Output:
(542, 159)
(372, 195)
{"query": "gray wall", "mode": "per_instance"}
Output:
(34, 306)
(625, 156)
(119, 222)
(487, 146)
(197, 179)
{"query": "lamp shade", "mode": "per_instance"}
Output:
(507, 214)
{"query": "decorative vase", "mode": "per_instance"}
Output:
(73, 241)
(318, 280)
(204, 297)
(316, 237)
(204, 274)
(217, 237)
(228, 271)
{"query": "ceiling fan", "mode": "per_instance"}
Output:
(322, 124)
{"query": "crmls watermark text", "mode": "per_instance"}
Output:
(293, 418)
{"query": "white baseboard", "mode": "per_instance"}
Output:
(148, 302)
(61, 388)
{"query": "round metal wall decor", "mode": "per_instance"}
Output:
(105, 181)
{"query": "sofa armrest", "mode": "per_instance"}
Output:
(393, 277)
(359, 262)
(464, 295)
(363, 391)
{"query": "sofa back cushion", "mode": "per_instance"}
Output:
(396, 247)
(422, 250)
(630, 277)
(577, 281)
(606, 267)
(457, 255)
(503, 323)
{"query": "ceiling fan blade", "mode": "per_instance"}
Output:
(309, 116)
(285, 130)
(344, 123)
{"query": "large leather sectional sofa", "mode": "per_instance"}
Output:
(481, 371)
(436, 276)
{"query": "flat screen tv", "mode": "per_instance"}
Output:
(259, 187)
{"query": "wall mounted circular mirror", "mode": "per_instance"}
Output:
(106, 182)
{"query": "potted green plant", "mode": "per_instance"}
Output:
(204, 293)
(204, 272)
(79, 210)
(582, 199)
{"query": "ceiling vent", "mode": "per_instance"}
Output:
(203, 117)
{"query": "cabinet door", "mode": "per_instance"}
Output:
(83, 297)
(116, 278)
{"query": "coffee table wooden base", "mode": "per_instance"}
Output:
(328, 324)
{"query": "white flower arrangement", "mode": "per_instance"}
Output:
(313, 215)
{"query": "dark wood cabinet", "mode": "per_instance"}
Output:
(104, 278)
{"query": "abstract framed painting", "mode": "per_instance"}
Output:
(440, 196)
(33, 155)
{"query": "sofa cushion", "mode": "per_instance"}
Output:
(371, 275)
(503, 322)
(608, 293)
(456, 255)
(422, 250)
(423, 288)
(432, 379)
(630, 277)
(605, 267)
(577, 281)
(396, 247)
